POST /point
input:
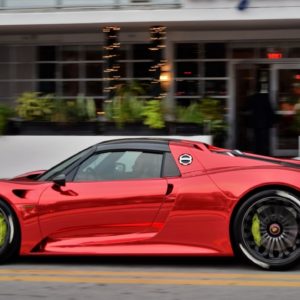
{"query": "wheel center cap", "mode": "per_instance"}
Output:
(275, 229)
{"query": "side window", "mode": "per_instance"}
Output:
(120, 165)
(170, 168)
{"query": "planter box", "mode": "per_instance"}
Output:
(110, 128)
(51, 128)
(18, 127)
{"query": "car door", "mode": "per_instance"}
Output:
(113, 197)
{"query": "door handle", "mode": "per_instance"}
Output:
(169, 188)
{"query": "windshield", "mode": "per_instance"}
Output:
(58, 169)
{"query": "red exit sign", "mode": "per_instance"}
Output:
(274, 55)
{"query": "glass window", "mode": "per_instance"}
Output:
(294, 52)
(215, 69)
(186, 51)
(70, 88)
(141, 51)
(93, 53)
(94, 70)
(47, 71)
(94, 88)
(120, 166)
(70, 53)
(46, 53)
(240, 53)
(141, 69)
(47, 87)
(187, 69)
(216, 87)
(170, 167)
(215, 50)
(186, 87)
(70, 71)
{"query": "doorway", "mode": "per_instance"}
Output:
(249, 78)
(285, 82)
(282, 82)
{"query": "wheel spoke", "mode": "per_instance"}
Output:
(271, 228)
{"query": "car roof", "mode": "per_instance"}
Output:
(159, 144)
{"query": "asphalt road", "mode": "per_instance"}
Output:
(90, 278)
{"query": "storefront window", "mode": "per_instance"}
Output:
(141, 69)
(294, 52)
(216, 88)
(70, 53)
(93, 53)
(93, 70)
(187, 51)
(46, 53)
(215, 50)
(94, 88)
(187, 69)
(215, 69)
(70, 70)
(70, 88)
(243, 53)
(141, 51)
(187, 88)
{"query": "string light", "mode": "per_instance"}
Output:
(157, 44)
(111, 55)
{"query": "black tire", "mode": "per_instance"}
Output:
(266, 229)
(10, 233)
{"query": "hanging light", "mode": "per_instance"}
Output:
(111, 54)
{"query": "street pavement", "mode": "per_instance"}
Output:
(172, 278)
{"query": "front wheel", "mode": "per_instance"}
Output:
(9, 233)
(266, 229)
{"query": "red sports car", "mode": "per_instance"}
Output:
(156, 197)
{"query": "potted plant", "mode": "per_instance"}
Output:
(153, 114)
(47, 114)
(5, 113)
(124, 111)
(202, 117)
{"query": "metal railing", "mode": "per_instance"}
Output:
(105, 4)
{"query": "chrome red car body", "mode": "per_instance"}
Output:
(189, 214)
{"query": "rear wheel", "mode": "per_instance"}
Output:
(9, 233)
(266, 229)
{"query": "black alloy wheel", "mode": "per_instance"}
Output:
(266, 229)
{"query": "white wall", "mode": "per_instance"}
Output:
(20, 154)
(192, 11)
(234, 3)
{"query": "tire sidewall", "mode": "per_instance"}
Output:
(239, 245)
(11, 245)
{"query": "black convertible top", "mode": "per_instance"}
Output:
(155, 144)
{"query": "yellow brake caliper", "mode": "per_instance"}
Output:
(255, 229)
(3, 230)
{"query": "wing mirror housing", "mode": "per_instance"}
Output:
(59, 180)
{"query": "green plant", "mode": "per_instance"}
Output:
(5, 113)
(213, 115)
(153, 114)
(32, 106)
(80, 109)
(125, 106)
(207, 112)
(189, 114)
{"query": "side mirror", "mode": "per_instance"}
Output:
(60, 180)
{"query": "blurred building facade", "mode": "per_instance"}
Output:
(214, 48)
